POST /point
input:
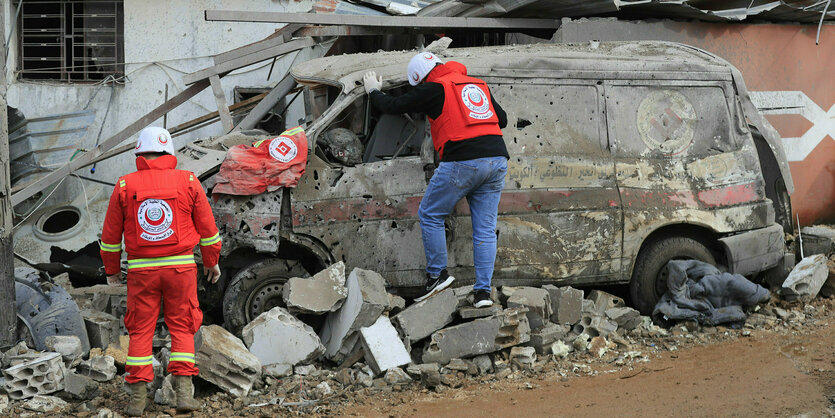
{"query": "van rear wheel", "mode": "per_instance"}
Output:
(257, 289)
(649, 277)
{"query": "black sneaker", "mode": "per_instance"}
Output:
(436, 285)
(481, 299)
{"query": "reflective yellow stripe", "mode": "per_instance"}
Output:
(257, 144)
(293, 131)
(191, 177)
(115, 248)
(176, 260)
(121, 183)
(211, 240)
(139, 361)
(187, 357)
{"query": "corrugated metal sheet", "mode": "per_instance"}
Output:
(39, 145)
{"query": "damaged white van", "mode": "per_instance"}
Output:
(623, 156)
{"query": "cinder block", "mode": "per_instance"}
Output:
(35, 377)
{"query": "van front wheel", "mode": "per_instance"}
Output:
(649, 277)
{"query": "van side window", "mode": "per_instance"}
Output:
(668, 121)
(545, 119)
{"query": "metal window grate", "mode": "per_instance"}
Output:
(71, 40)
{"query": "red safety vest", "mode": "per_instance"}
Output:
(163, 214)
(468, 110)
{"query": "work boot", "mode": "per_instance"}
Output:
(138, 396)
(185, 394)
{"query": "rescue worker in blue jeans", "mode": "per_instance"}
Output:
(466, 124)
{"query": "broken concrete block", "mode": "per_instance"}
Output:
(277, 337)
(604, 301)
(396, 376)
(396, 305)
(322, 293)
(423, 318)
(457, 364)
(566, 304)
(626, 318)
(480, 336)
(471, 312)
(806, 279)
(45, 404)
(102, 328)
(818, 239)
(224, 360)
(543, 338)
(594, 325)
(598, 346)
(80, 387)
(69, 346)
(4, 403)
(828, 288)
(484, 364)
(99, 368)
(538, 302)
(40, 376)
(560, 349)
(278, 370)
(382, 346)
(366, 301)
(17, 350)
(522, 356)
(305, 370)
(430, 376)
(580, 343)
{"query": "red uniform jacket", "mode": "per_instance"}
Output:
(162, 213)
(468, 110)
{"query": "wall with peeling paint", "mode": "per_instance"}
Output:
(163, 40)
(790, 79)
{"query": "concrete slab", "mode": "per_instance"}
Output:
(538, 302)
(566, 304)
(382, 346)
(471, 312)
(366, 301)
(480, 336)
(806, 279)
(224, 360)
(277, 337)
(320, 294)
(423, 318)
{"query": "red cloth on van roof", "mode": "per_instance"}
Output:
(267, 165)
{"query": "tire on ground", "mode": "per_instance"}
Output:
(257, 289)
(649, 275)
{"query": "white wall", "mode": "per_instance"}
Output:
(163, 40)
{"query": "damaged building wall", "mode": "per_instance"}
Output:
(162, 42)
(790, 79)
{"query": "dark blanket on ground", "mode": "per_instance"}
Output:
(697, 290)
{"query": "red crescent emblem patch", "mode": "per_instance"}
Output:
(162, 139)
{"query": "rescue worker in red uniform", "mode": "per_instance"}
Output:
(163, 213)
(465, 122)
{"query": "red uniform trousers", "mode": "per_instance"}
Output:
(177, 287)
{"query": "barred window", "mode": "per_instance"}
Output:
(70, 40)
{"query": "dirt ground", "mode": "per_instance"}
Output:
(764, 374)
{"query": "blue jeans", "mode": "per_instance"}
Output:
(481, 181)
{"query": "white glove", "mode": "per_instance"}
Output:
(212, 273)
(372, 82)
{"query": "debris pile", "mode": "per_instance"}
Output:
(367, 340)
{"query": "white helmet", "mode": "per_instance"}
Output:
(420, 65)
(154, 139)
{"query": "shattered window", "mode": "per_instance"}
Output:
(668, 120)
(70, 40)
(545, 119)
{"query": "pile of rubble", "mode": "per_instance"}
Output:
(370, 341)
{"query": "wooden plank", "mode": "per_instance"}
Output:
(84, 159)
(248, 59)
(283, 35)
(175, 131)
(345, 30)
(8, 310)
(276, 94)
(220, 99)
(382, 21)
